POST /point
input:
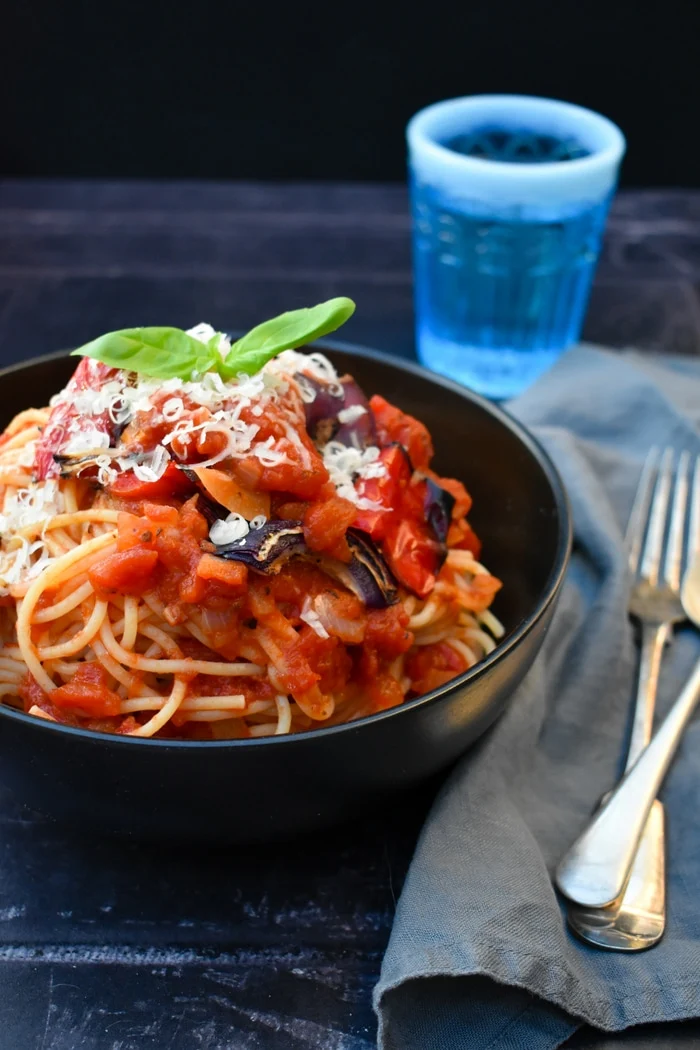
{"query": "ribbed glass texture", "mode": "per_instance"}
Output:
(509, 198)
(499, 298)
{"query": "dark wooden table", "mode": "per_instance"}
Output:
(119, 946)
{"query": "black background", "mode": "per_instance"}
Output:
(258, 90)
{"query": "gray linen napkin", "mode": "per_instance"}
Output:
(479, 955)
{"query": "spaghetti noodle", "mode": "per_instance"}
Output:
(210, 559)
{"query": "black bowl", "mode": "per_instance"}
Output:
(244, 790)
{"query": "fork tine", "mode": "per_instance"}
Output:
(676, 529)
(694, 518)
(651, 555)
(636, 526)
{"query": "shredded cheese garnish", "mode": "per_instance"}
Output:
(232, 528)
(351, 414)
(78, 432)
(346, 463)
(22, 560)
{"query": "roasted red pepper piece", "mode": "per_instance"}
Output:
(395, 425)
(172, 482)
(388, 490)
(413, 555)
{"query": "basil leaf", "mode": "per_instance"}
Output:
(289, 330)
(163, 353)
(170, 353)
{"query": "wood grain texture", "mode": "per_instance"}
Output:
(108, 945)
(79, 258)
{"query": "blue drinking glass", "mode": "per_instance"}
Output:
(509, 198)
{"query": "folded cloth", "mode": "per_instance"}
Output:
(480, 955)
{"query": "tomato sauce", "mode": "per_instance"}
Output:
(319, 640)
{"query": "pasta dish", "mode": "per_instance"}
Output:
(204, 540)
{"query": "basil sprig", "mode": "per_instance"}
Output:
(163, 353)
(170, 353)
(295, 328)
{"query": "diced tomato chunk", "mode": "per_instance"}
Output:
(87, 693)
(125, 572)
(430, 666)
(301, 474)
(232, 575)
(161, 513)
(32, 694)
(384, 692)
(400, 525)
(327, 657)
(325, 525)
(387, 631)
(291, 510)
(293, 668)
(395, 425)
(291, 476)
(462, 536)
(134, 531)
(192, 521)
(209, 443)
(479, 593)
(172, 484)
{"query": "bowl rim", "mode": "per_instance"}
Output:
(472, 674)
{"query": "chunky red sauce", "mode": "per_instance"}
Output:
(163, 550)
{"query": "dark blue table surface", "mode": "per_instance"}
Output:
(118, 946)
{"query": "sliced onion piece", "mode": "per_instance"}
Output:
(268, 548)
(361, 430)
(438, 506)
(367, 575)
(322, 413)
(325, 406)
(350, 631)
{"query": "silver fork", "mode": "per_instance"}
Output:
(635, 918)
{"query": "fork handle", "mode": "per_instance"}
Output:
(637, 918)
(595, 869)
(652, 640)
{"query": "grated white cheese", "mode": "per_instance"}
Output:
(17, 565)
(172, 409)
(231, 529)
(127, 394)
(22, 560)
(87, 439)
(351, 414)
(345, 464)
(290, 362)
(282, 384)
(39, 502)
(268, 455)
(80, 430)
(153, 466)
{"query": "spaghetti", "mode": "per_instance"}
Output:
(211, 559)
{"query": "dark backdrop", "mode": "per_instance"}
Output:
(231, 89)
